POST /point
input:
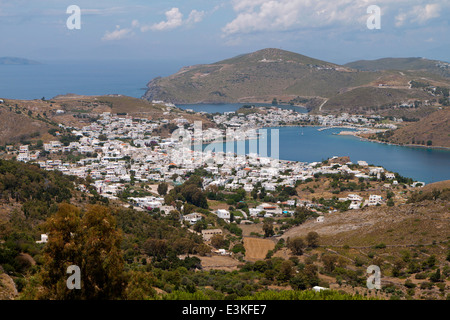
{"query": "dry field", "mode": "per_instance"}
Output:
(411, 224)
(247, 229)
(215, 205)
(256, 248)
(219, 263)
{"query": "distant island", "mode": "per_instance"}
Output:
(17, 61)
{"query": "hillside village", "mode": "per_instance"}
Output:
(117, 152)
(253, 204)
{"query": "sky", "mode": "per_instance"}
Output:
(206, 31)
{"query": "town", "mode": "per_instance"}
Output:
(120, 154)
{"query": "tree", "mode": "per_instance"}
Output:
(286, 271)
(62, 250)
(268, 229)
(312, 239)
(89, 241)
(162, 188)
(217, 241)
(102, 269)
(155, 247)
(436, 277)
(329, 262)
(202, 249)
(299, 281)
(296, 245)
(141, 286)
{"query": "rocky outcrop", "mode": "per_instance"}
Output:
(8, 290)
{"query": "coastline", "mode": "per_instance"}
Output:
(355, 134)
(349, 133)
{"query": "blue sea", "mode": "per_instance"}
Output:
(81, 77)
(308, 144)
(305, 144)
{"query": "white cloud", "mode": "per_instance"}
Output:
(117, 34)
(174, 19)
(135, 24)
(281, 15)
(284, 15)
(418, 14)
(195, 16)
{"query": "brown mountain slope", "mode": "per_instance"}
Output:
(289, 77)
(409, 224)
(258, 76)
(24, 120)
(435, 128)
(17, 124)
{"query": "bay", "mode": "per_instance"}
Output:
(308, 144)
(129, 78)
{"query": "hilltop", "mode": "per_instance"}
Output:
(269, 74)
(256, 77)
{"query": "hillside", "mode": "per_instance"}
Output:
(293, 78)
(373, 99)
(433, 130)
(433, 66)
(29, 120)
(17, 124)
(407, 241)
(258, 76)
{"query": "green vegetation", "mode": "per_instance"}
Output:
(128, 254)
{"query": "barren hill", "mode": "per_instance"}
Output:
(293, 78)
(432, 66)
(257, 76)
(433, 130)
(405, 225)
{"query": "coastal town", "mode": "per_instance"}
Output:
(212, 157)
(118, 152)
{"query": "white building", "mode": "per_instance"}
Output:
(375, 199)
(223, 214)
(44, 238)
(193, 218)
(390, 175)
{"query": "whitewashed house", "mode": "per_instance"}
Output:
(223, 214)
(374, 200)
(192, 218)
(44, 238)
